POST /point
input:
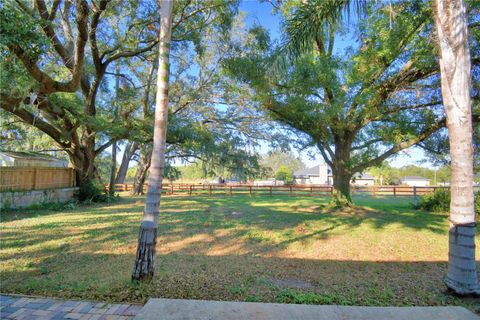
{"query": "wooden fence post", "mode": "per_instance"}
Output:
(290, 190)
(250, 187)
(414, 195)
(190, 190)
(210, 189)
(171, 188)
(394, 192)
(230, 190)
(271, 189)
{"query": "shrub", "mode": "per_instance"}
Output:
(285, 174)
(90, 192)
(438, 201)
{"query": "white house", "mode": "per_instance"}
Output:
(30, 159)
(363, 179)
(322, 174)
(271, 182)
(415, 181)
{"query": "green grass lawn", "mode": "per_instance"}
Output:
(261, 248)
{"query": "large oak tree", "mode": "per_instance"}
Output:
(60, 52)
(358, 107)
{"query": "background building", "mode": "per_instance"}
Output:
(415, 181)
(322, 174)
(30, 159)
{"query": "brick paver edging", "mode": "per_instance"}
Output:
(29, 308)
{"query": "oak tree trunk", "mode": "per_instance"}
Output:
(341, 186)
(142, 170)
(451, 24)
(341, 172)
(144, 266)
(113, 168)
(84, 166)
(130, 150)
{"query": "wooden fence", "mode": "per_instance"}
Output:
(35, 178)
(292, 190)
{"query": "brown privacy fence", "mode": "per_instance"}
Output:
(292, 190)
(33, 178)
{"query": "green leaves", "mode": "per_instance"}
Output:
(21, 30)
(312, 23)
(378, 98)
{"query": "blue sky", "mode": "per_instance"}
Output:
(261, 13)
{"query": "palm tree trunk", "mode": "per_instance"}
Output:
(144, 266)
(451, 24)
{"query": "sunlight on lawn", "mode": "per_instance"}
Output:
(381, 252)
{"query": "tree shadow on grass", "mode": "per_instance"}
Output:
(181, 275)
(183, 217)
(207, 252)
(269, 213)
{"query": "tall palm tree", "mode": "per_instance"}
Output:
(144, 266)
(315, 19)
(451, 24)
(309, 22)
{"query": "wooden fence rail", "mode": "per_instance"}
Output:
(35, 178)
(292, 190)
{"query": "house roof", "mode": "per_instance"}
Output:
(29, 156)
(364, 176)
(313, 171)
(414, 178)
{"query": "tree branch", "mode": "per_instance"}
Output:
(93, 33)
(366, 144)
(130, 53)
(12, 105)
(327, 159)
(403, 145)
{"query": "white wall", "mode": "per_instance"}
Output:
(5, 161)
(22, 199)
(363, 182)
(416, 183)
(323, 174)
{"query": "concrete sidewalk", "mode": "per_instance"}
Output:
(173, 309)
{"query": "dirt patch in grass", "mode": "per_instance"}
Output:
(292, 283)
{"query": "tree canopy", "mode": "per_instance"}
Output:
(360, 106)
